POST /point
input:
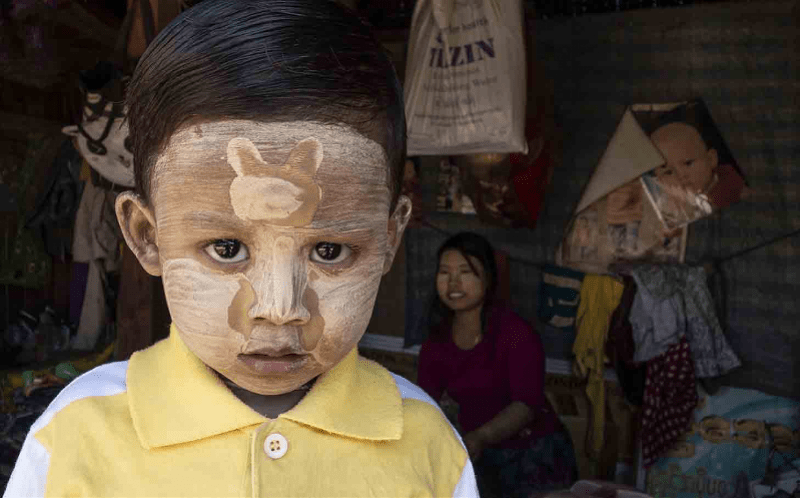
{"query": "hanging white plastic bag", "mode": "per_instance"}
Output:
(465, 80)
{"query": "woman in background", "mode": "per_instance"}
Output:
(491, 362)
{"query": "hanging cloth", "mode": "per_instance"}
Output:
(620, 347)
(673, 301)
(711, 352)
(670, 397)
(600, 296)
(96, 242)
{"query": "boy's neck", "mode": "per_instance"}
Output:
(270, 406)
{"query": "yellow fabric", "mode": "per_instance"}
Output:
(86, 170)
(599, 297)
(178, 431)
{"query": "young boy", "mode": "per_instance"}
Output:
(268, 139)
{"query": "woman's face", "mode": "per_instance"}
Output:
(460, 288)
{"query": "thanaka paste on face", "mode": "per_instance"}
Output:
(241, 303)
(198, 301)
(220, 313)
(285, 195)
(279, 281)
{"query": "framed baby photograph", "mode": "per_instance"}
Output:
(699, 175)
(665, 166)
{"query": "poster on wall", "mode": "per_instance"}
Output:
(451, 196)
(742, 444)
(699, 175)
(412, 189)
(665, 166)
(621, 226)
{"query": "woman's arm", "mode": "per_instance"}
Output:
(510, 421)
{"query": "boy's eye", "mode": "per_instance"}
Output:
(227, 251)
(330, 253)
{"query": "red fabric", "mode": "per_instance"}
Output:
(670, 397)
(728, 188)
(530, 174)
(503, 293)
(530, 184)
(507, 366)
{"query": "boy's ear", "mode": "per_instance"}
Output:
(397, 225)
(139, 229)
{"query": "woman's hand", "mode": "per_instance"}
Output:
(475, 442)
(504, 425)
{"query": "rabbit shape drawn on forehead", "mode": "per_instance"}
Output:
(284, 195)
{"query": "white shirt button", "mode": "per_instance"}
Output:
(275, 446)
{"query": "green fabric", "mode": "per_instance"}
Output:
(66, 371)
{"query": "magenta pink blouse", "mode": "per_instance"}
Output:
(506, 366)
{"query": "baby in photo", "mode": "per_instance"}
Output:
(696, 178)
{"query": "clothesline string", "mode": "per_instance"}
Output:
(509, 257)
(715, 260)
(757, 246)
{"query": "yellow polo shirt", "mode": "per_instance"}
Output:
(162, 424)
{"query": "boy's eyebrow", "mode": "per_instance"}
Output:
(213, 219)
(343, 225)
(354, 227)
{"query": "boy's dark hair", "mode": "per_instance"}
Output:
(268, 61)
(468, 244)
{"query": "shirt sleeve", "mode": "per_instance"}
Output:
(430, 376)
(525, 360)
(29, 476)
(467, 486)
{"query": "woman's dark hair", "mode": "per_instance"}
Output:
(265, 60)
(468, 244)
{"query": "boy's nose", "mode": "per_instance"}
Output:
(279, 282)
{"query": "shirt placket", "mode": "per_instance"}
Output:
(267, 446)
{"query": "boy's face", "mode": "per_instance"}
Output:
(271, 240)
(689, 160)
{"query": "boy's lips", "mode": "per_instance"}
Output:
(273, 364)
(278, 347)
